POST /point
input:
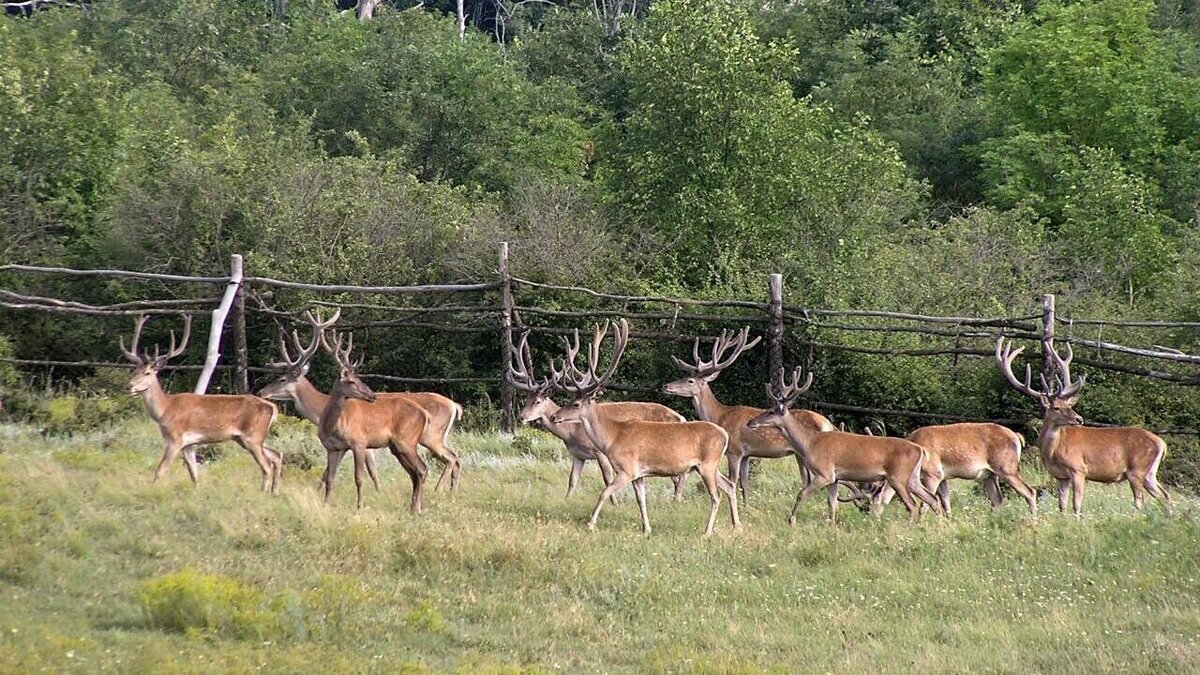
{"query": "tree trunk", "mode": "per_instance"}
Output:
(365, 9)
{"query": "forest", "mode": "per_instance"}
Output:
(952, 157)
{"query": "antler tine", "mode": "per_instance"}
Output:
(735, 339)
(721, 357)
(598, 334)
(523, 377)
(621, 339)
(173, 352)
(132, 353)
(314, 318)
(686, 367)
(793, 389)
(1068, 387)
(1005, 354)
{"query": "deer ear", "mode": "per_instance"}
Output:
(710, 378)
(1070, 401)
(1045, 401)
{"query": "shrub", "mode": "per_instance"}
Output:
(191, 602)
(425, 617)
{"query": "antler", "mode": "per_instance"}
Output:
(1063, 386)
(144, 357)
(788, 392)
(131, 354)
(342, 356)
(304, 354)
(523, 377)
(572, 379)
(735, 340)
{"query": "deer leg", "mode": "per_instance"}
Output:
(255, 448)
(916, 488)
(1138, 486)
(815, 484)
(573, 478)
(709, 477)
(193, 466)
(1014, 479)
(606, 472)
(680, 482)
(639, 490)
(833, 501)
(1077, 482)
(360, 465)
(372, 468)
(1064, 484)
(942, 491)
(735, 468)
(1159, 493)
(276, 458)
(991, 488)
(170, 453)
(333, 459)
(416, 469)
(449, 460)
(619, 482)
(744, 477)
(902, 491)
(730, 491)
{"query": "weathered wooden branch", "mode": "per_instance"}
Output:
(114, 273)
(647, 316)
(1021, 322)
(383, 290)
(644, 298)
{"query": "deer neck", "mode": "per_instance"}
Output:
(328, 424)
(156, 400)
(309, 400)
(562, 431)
(1049, 435)
(799, 436)
(596, 429)
(708, 408)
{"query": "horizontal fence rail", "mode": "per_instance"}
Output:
(466, 313)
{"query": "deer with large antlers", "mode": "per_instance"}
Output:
(635, 448)
(187, 420)
(1074, 454)
(356, 419)
(831, 456)
(293, 384)
(744, 442)
(970, 451)
(541, 407)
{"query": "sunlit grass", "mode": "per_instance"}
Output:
(98, 567)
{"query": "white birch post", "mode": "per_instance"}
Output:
(218, 324)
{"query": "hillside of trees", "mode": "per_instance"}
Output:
(952, 157)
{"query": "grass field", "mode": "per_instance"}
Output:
(102, 570)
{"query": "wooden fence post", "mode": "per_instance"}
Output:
(775, 329)
(218, 324)
(1049, 368)
(507, 413)
(242, 379)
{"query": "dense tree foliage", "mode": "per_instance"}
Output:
(953, 156)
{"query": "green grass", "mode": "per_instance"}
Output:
(102, 570)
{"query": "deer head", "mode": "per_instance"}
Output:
(146, 367)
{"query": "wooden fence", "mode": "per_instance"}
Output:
(510, 303)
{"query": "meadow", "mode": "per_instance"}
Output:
(102, 570)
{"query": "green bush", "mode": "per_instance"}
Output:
(81, 413)
(191, 602)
